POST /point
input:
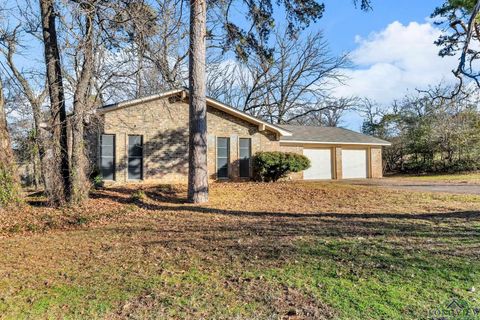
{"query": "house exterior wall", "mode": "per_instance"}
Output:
(376, 162)
(163, 124)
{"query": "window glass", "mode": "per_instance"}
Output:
(223, 157)
(107, 156)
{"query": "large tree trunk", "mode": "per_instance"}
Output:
(60, 170)
(80, 183)
(9, 186)
(197, 169)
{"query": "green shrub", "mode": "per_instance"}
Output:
(96, 178)
(271, 166)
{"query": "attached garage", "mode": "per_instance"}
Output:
(321, 164)
(335, 153)
(354, 164)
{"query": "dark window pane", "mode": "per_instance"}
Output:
(222, 168)
(244, 156)
(134, 146)
(223, 157)
(107, 168)
(245, 168)
(135, 157)
(134, 169)
(107, 156)
(135, 151)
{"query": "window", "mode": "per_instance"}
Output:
(223, 157)
(135, 157)
(107, 156)
(245, 154)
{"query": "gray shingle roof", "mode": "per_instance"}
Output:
(329, 135)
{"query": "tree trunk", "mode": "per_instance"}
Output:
(39, 140)
(80, 183)
(197, 161)
(60, 175)
(9, 187)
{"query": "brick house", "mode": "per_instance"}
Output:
(147, 140)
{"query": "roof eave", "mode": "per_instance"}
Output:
(337, 142)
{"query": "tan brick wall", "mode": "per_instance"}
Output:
(337, 165)
(164, 126)
(376, 162)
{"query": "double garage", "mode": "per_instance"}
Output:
(335, 153)
(354, 163)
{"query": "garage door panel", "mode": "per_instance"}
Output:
(321, 164)
(354, 163)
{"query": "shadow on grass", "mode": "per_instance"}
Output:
(269, 234)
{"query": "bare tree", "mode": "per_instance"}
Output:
(331, 114)
(61, 179)
(8, 177)
(9, 42)
(291, 85)
(81, 105)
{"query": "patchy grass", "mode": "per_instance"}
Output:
(473, 178)
(305, 250)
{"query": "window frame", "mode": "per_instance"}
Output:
(217, 157)
(249, 173)
(113, 157)
(135, 157)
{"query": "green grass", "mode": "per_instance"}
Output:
(371, 254)
(372, 280)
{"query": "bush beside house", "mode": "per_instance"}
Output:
(272, 166)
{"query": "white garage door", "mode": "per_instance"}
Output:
(354, 163)
(321, 164)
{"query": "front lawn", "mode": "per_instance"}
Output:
(286, 250)
(473, 178)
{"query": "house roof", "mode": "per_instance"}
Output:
(210, 101)
(288, 133)
(329, 135)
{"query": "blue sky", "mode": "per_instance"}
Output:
(342, 21)
(391, 49)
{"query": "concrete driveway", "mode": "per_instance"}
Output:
(422, 186)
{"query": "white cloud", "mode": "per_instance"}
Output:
(395, 60)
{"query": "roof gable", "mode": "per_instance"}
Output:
(263, 125)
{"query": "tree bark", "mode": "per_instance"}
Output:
(60, 170)
(197, 169)
(80, 183)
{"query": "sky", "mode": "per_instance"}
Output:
(391, 48)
